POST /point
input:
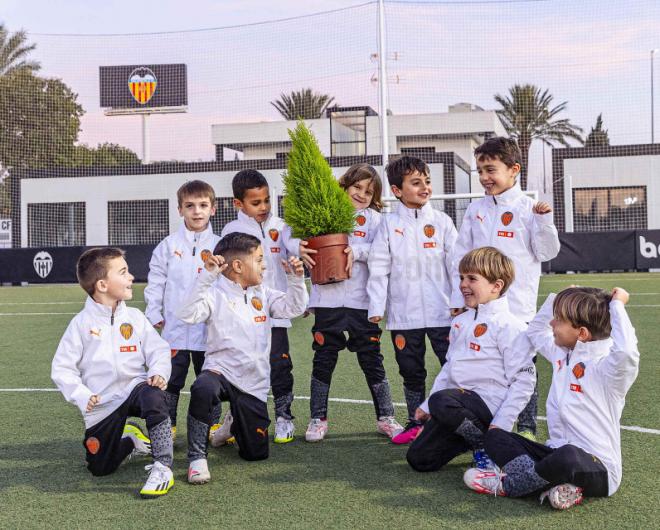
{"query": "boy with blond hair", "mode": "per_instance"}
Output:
(174, 266)
(112, 364)
(489, 374)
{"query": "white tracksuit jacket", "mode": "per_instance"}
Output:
(352, 292)
(589, 387)
(239, 325)
(507, 222)
(489, 353)
(107, 355)
(278, 245)
(409, 268)
(175, 264)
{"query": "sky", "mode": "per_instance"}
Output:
(594, 55)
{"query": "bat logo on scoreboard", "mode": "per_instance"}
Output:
(43, 263)
(142, 84)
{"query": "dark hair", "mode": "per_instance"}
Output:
(362, 171)
(195, 188)
(236, 245)
(585, 306)
(92, 266)
(247, 179)
(402, 166)
(499, 147)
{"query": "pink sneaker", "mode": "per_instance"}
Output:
(411, 432)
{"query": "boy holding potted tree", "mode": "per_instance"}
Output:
(409, 276)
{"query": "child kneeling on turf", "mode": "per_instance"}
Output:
(587, 336)
(238, 311)
(112, 364)
(489, 374)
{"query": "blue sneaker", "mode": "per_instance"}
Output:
(482, 460)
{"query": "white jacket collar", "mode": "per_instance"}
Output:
(414, 213)
(189, 235)
(593, 349)
(499, 305)
(244, 218)
(509, 196)
(103, 311)
(232, 287)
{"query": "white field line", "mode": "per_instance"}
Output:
(340, 400)
(79, 303)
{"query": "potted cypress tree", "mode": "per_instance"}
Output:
(316, 208)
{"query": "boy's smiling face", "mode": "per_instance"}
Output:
(476, 289)
(196, 212)
(255, 203)
(495, 176)
(361, 193)
(118, 283)
(415, 190)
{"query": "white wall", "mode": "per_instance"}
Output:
(620, 171)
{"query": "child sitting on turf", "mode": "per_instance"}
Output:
(588, 338)
(514, 223)
(489, 374)
(174, 265)
(409, 273)
(341, 308)
(252, 198)
(112, 364)
(238, 310)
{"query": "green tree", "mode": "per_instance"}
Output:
(302, 105)
(14, 51)
(106, 154)
(314, 203)
(598, 136)
(39, 121)
(527, 115)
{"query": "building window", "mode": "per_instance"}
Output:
(348, 132)
(609, 209)
(56, 224)
(144, 222)
(225, 212)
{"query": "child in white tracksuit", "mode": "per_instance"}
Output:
(112, 364)
(175, 264)
(512, 222)
(586, 335)
(341, 308)
(489, 374)
(409, 278)
(239, 311)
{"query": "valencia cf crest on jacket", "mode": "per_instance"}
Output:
(480, 329)
(257, 303)
(274, 234)
(360, 220)
(507, 217)
(205, 254)
(429, 230)
(126, 330)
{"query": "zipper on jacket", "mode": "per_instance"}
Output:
(112, 319)
(415, 214)
(194, 243)
(245, 296)
(494, 199)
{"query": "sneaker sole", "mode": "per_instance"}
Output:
(199, 482)
(283, 440)
(156, 494)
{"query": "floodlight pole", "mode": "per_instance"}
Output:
(145, 140)
(382, 75)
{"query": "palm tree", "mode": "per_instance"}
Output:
(304, 104)
(527, 115)
(14, 51)
(598, 136)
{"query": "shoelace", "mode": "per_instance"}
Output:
(160, 474)
(499, 475)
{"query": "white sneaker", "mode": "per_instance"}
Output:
(316, 430)
(388, 426)
(284, 430)
(485, 481)
(198, 471)
(141, 443)
(222, 435)
(562, 497)
(159, 482)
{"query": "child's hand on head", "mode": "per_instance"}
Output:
(421, 414)
(157, 381)
(93, 401)
(294, 266)
(542, 208)
(215, 264)
(621, 295)
(306, 254)
(349, 261)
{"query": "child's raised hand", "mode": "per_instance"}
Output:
(294, 266)
(542, 208)
(421, 414)
(621, 295)
(157, 381)
(215, 264)
(306, 254)
(349, 261)
(93, 401)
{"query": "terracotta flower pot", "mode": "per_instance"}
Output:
(331, 260)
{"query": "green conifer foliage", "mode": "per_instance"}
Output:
(314, 203)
